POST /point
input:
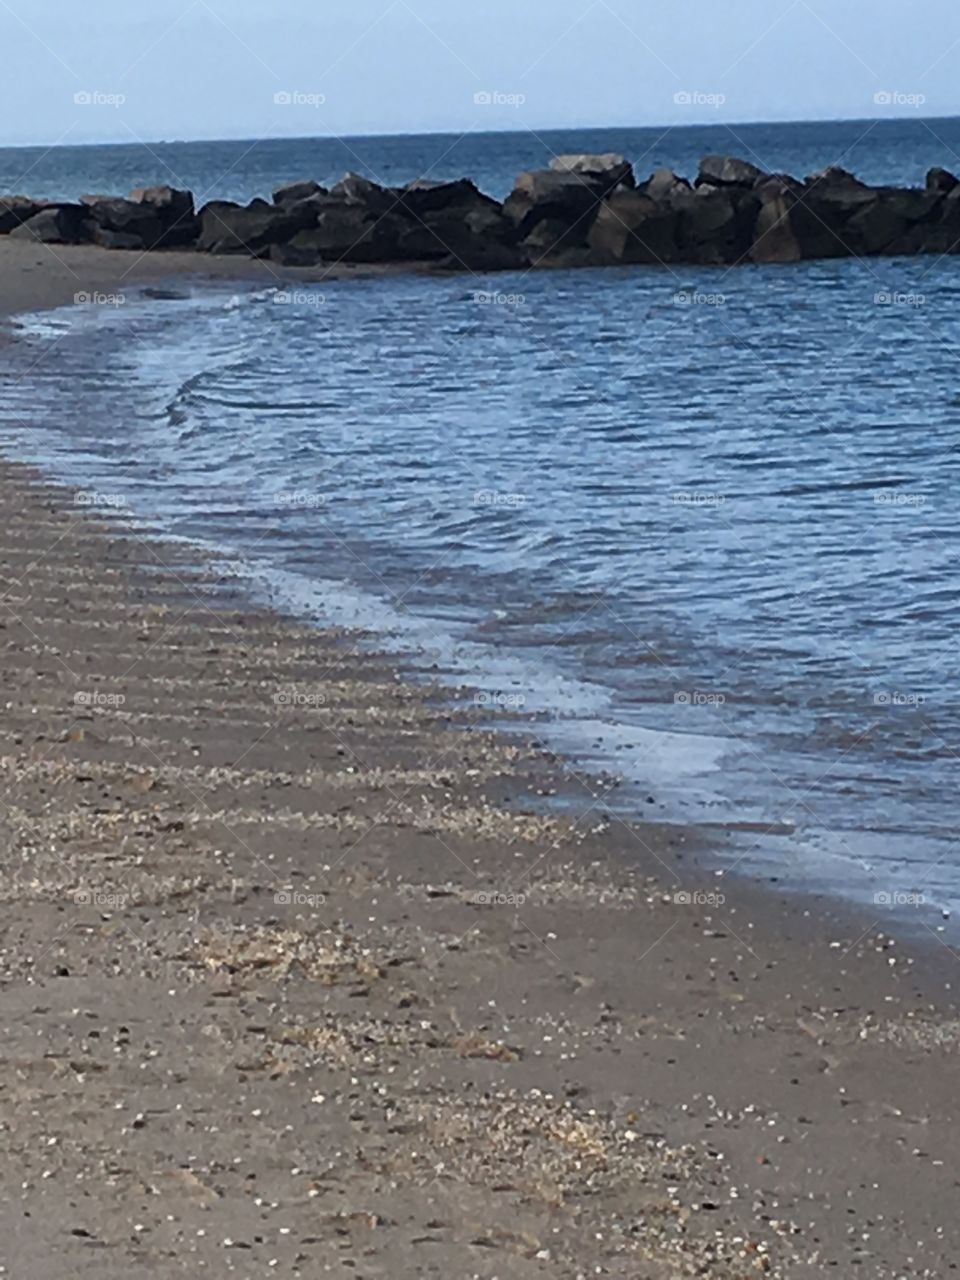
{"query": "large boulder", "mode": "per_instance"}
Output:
(421, 197)
(254, 229)
(570, 200)
(775, 237)
(666, 188)
(347, 233)
(456, 232)
(717, 225)
(728, 171)
(942, 181)
(15, 210)
(292, 192)
(138, 226)
(632, 227)
(607, 171)
(352, 189)
(56, 224)
(880, 224)
(175, 210)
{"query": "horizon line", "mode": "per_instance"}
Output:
(452, 133)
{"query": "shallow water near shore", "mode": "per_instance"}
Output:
(697, 525)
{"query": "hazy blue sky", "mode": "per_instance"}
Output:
(212, 68)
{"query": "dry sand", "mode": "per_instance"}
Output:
(257, 1021)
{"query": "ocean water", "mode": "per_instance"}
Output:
(699, 523)
(877, 150)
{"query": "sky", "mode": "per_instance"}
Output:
(116, 70)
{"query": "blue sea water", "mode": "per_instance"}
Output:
(702, 519)
(877, 150)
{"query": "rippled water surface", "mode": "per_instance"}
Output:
(715, 538)
(703, 519)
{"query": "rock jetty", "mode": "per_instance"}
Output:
(583, 210)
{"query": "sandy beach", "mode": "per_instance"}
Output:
(301, 977)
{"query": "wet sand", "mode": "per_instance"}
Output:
(299, 978)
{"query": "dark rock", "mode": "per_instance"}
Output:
(605, 171)
(456, 233)
(942, 180)
(291, 192)
(727, 171)
(56, 224)
(666, 188)
(774, 235)
(421, 198)
(15, 210)
(569, 199)
(717, 225)
(139, 223)
(230, 228)
(352, 189)
(887, 219)
(345, 234)
(632, 227)
(176, 212)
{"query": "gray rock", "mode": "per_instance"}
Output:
(176, 212)
(608, 171)
(568, 199)
(728, 171)
(632, 227)
(292, 192)
(56, 224)
(355, 190)
(139, 224)
(666, 188)
(774, 236)
(942, 180)
(15, 210)
(717, 226)
(422, 198)
(230, 228)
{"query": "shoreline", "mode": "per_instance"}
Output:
(595, 1076)
(42, 278)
